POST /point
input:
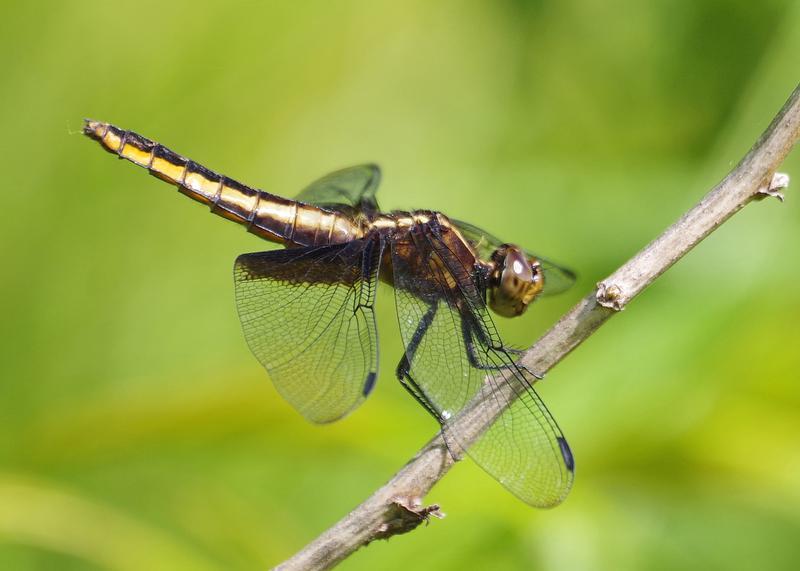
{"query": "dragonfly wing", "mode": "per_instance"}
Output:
(350, 191)
(308, 316)
(459, 370)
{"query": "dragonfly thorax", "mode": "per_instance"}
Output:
(514, 281)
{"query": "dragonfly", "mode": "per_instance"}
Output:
(308, 311)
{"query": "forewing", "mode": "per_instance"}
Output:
(557, 279)
(308, 317)
(523, 448)
(349, 190)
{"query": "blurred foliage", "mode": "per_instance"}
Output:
(137, 432)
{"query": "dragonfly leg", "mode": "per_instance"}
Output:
(409, 384)
(470, 332)
(403, 370)
(514, 351)
(404, 366)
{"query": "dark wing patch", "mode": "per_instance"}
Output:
(460, 371)
(349, 191)
(308, 317)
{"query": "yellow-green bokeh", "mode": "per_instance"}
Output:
(136, 430)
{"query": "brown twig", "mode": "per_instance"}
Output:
(396, 507)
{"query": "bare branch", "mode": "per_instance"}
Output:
(396, 507)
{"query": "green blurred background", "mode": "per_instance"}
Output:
(137, 431)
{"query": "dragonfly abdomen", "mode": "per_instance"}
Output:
(272, 217)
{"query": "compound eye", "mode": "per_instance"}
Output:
(517, 271)
(516, 281)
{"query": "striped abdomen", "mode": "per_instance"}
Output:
(267, 215)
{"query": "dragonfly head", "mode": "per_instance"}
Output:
(514, 281)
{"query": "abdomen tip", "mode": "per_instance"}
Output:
(93, 128)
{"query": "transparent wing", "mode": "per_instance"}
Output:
(349, 190)
(458, 369)
(557, 279)
(308, 316)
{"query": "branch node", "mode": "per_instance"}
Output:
(406, 514)
(780, 180)
(610, 296)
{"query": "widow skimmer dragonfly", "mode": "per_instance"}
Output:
(307, 311)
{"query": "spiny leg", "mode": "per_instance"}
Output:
(409, 384)
(404, 365)
(470, 331)
(403, 370)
